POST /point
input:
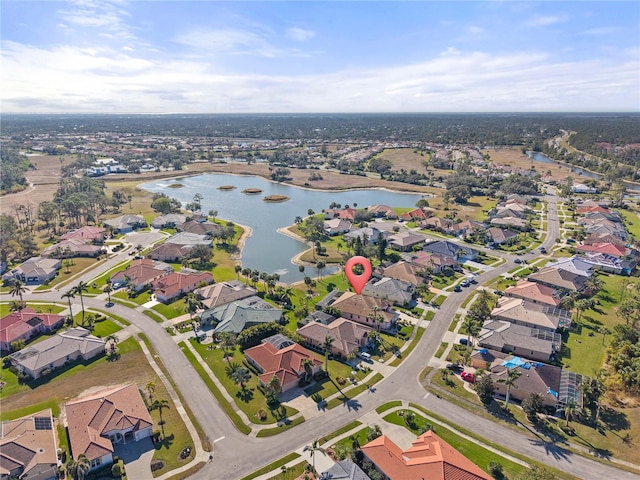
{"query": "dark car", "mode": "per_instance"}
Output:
(517, 260)
(454, 367)
(543, 250)
(457, 288)
(463, 341)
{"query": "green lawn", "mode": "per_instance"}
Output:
(396, 361)
(443, 346)
(172, 310)
(38, 307)
(631, 221)
(340, 431)
(105, 328)
(251, 400)
(101, 281)
(140, 299)
(272, 466)
(66, 273)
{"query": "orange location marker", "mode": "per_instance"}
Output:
(358, 281)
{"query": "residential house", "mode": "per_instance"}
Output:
(429, 457)
(444, 225)
(384, 211)
(608, 263)
(560, 279)
(460, 253)
(126, 223)
(527, 342)
(72, 248)
(520, 312)
(592, 238)
(467, 227)
(35, 271)
(433, 262)
(348, 214)
(170, 252)
(344, 470)
(336, 226)
(618, 251)
(236, 316)
(218, 294)
(516, 198)
(573, 265)
(170, 220)
(28, 447)
(583, 210)
(368, 235)
(360, 308)
(74, 344)
(189, 239)
(604, 228)
(406, 241)
(140, 273)
(114, 416)
(348, 337)
(415, 215)
(176, 284)
(500, 236)
(199, 228)
(404, 271)
(26, 324)
(555, 385)
(279, 357)
(88, 234)
(509, 222)
(535, 293)
(582, 188)
(393, 290)
(514, 210)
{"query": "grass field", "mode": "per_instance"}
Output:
(38, 307)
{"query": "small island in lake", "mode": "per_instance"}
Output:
(227, 187)
(176, 185)
(251, 191)
(275, 198)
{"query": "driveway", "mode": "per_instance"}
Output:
(137, 458)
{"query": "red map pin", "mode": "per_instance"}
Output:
(358, 281)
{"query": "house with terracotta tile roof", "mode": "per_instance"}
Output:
(140, 273)
(219, 294)
(176, 284)
(535, 293)
(54, 352)
(28, 447)
(520, 312)
(96, 423)
(26, 324)
(606, 248)
(431, 261)
(414, 215)
(87, 234)
(343, 214)
(170, 252)
(359, 308)
(348, 336)
(284, 360)
(429, 457)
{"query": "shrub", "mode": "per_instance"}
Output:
(495, 470)
(116, 470)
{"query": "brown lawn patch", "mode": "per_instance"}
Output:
(516, 159)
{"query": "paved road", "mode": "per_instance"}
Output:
(236, 455)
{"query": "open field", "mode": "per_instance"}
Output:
(516, 159)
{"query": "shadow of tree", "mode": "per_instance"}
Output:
(245, 395)
(165, 442)
(556, 451)
(614, 420)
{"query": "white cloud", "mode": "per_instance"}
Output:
(475, 30)
(542, 20)
(300, 34)
(66, 78)
(102, 15)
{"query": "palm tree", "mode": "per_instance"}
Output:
(15, 306)
(569, 301)
(18, 289)
(80, 467)
(239, 374)
(569, 409)
(160, 404)
(79, 289)
(307, 364)
(227, 342)
(69, 294)
(108, 289)
(320, 266)
(376, 317)
(604, 331)
(594, 285)
(150, 387)
(472, 327)
(312, 449)
(112, 340)
(512, 377)
(192, 304)
(238, 269)
(581, 306)
(326, 345)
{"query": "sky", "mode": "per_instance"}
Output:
(139, 56)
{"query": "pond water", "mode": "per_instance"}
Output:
(267, 250)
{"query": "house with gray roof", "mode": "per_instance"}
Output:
(344, 470)
(391, 289)
(34, 271)
(191, 239)
(451, 249)
(74, 344)
(368, 235)
(405, 241)
(527, 342)
(170, 220)
(336, 226)
(126, 223)
(200, 228)
(221, 293)
(236, 316)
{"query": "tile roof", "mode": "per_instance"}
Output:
(74, 246)
(186, 238)
(559, 278)
(344, 470)
(16, 324)
(392, 289)
(406, 239)
(141, 271)
(428, 457)
(286, 363)
(518, 310)
(224, 292)
(199, 228)
(500, 234)
(535, 292)
(362, 305)
(498, 334)
(92, 417)
(347, 335)
(236, 316)
(608, 248)
(405, 271)
(87, 234)
(37, 267)
(177, 283)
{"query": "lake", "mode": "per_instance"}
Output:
(267, 250)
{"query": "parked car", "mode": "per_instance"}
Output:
(454, 367)
(463, 341)
(517, 260)
(498, 292)
(469, 377)
(543, 250)
(464, 283)
(457, 288)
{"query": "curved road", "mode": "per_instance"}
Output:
(236, 455)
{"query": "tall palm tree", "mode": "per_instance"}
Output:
(569, 410)
(239, 374)
(108, 289)
(326, 345)
(79, 289)
(79, 468)
(69, 294)
(472, 327)
(238, 269)
(376, 317)
(594, 284)
(192, 304)
(312, 449)
(509, 381)
(150, 387)
(307, 364)
(18, 288)
(569, 301)
(160, 404)
(227, 342)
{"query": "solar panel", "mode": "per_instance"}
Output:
(42, 423)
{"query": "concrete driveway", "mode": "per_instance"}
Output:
(137, 458)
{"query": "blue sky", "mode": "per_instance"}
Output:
(242, 57)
